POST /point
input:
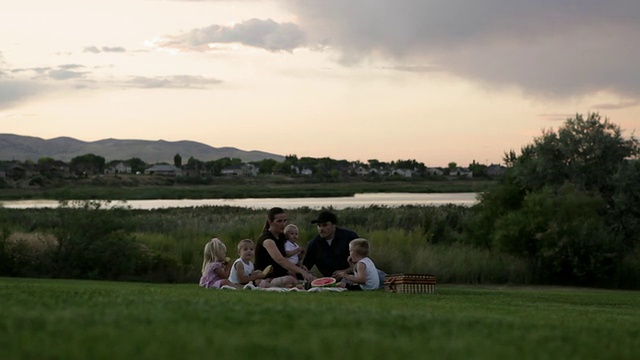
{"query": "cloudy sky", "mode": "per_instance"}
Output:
(435, 81)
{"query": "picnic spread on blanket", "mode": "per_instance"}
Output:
(281, 265)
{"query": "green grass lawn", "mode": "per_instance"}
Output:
(69, 319)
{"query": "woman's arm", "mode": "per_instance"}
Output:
(276, 255)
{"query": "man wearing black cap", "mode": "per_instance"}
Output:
(329, 250)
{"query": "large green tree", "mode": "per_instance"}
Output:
(585, 151)
(567, 203)
(88, 164)
(137, 165)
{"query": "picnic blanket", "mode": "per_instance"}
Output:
(281, 289)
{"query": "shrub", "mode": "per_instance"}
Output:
(629, 270)
(562, 234)
(444, 224)
(157, 267)
(95, 242)
(26, 254)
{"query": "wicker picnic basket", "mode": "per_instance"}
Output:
(410, 283)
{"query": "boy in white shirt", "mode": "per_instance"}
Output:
(242, 270)
(363, 275)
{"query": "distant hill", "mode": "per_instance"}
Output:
(17, 147)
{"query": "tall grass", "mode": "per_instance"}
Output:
(397, 251)
(171, 242)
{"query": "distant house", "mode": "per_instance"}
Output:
(461, 172)
(434, 171)
(381, 171)
(402, 172)
(55, 169)
(16, 171)
(163, 169)
(251, 170)
(307, 172)
(195, 170)
(240, 170)
(118, 168)
(495, 171)
(362, 171)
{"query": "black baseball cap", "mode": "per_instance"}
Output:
(326, 216)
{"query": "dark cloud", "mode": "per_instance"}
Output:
(117, 49)
(413, 68)
(96, 50)
(555, 117)
(91, 49)
(37, 70)
(13, 92)
(265, 34)
(71, 66)
(63, 74)
(173, 82)
(547, 48)
(620, 105)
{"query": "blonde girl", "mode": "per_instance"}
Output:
(215, 266)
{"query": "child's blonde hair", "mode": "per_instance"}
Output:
(289, 227)
(243, 243)
(360, 246)
(215, 250)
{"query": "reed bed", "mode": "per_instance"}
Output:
(170, 241)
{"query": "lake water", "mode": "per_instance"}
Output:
(359, 200)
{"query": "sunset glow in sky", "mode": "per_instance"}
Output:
(435, 81)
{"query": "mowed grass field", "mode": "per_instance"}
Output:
(70, 319)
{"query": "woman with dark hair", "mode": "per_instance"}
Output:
(270, 251)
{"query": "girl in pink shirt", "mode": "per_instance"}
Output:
(216, 266)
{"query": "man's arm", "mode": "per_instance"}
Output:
(310, 257)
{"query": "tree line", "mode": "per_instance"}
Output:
(320, 168)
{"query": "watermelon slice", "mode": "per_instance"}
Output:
(323, 282)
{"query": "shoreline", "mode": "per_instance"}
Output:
(267, 189)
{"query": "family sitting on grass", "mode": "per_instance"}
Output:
(281, 263)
